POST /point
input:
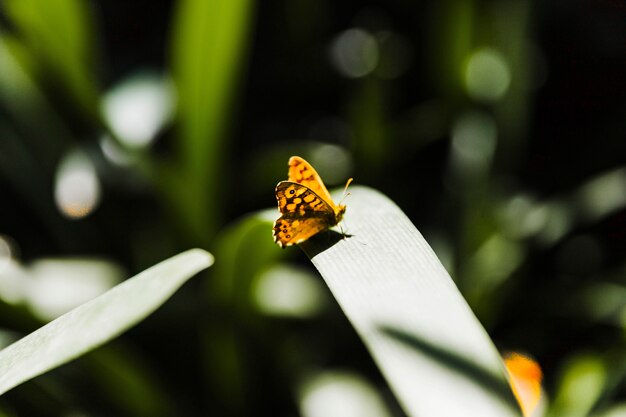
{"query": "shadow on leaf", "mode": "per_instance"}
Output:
(462, 365)
(321, 242)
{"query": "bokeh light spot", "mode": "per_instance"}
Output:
(333, 162)
(603, 194)
(494, 262)
(487, 75)
(604, 301)
(474, 137)
(581, 385)
(341, 394)
(77, 188)
(522, 216)
(114, 152)
(138, 107)
(59, 285)
(288, 291)
(354, 53)
(13, 280)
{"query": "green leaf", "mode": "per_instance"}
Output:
(582, 382)
(207, 50)
(436, 356)
(97, 321)
(243, 249)
(59, 32)
(21, 97)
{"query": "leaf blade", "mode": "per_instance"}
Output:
(431, 348)
(208, 49)
(97, 321)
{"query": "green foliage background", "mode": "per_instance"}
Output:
(521, 194)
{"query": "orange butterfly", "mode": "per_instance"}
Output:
(305, 205)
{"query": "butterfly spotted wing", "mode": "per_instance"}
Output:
(302, 172)
(303, 214)
(305, 204)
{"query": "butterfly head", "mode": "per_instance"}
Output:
(339, 211)
(341, 208)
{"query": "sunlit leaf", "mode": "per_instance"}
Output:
(436, 356)
(97, 321)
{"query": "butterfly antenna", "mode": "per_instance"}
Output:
(345, 190)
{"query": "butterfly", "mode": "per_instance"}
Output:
(305, 205)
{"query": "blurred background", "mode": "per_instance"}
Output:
(130, 131)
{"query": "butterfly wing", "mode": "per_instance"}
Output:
(290, 229)
(304, 214)
(301, 200)
(301, 172)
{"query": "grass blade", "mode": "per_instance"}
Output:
(60, 34)
(209, 39)
(434, 353)
(97, 321)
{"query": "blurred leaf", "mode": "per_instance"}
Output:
(123, 376)
(244, 249)
(451, 40)
(22, 99)
(207, 50)
(601, 195)
(488, 267)
(581, 385)
(59, 32)
(368, 114)
(97, 321)
(513, 110)
(6, 413)
(619, 410)
(434, 353)
(27, 146)
(601, 301)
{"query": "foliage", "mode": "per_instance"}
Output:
(131, 131)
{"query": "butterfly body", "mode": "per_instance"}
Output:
(305, 204)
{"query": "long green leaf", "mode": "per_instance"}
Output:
(207, 50)
(60, 34)
(97, 321)
(436, 356)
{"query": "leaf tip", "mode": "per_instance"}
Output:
(200, 256)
